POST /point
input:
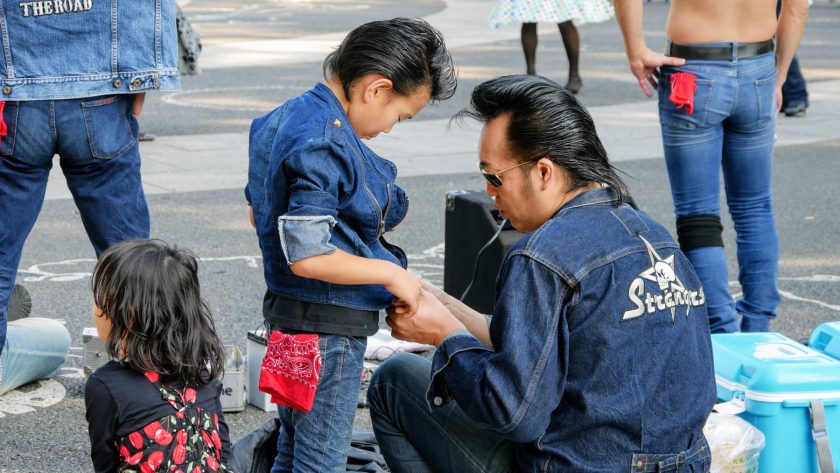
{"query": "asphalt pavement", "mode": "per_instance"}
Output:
(260, 53)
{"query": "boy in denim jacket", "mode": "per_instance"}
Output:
(321, 202)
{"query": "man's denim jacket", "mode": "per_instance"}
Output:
(63, 49)
(601, 358)
(314, 187)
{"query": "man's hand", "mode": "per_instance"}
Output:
(137, 104)
(407, 288)
(430, 324)
(645, 67)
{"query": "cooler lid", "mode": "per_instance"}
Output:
(770, 367)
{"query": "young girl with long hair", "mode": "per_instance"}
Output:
(157, 404)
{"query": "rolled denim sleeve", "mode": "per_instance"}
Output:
(514, 388)
(320, 174)
(302, 237)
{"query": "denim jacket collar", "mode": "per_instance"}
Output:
(323, 92)
(599, 196)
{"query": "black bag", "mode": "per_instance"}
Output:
(255, 452)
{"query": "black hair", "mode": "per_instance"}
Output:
(408, 51)
(546, 121)
(149, 292)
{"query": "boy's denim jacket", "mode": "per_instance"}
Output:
(601, 358)
(314, 187)
(64, 49)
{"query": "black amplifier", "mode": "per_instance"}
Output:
(471, 223)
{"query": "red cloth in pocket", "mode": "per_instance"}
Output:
(291, 369)
(3, 129)
(682, 90)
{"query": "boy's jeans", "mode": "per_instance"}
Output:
(96, 139)
(732, 127)
(319, 440)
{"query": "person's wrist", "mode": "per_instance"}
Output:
(451, 327)
(636, 51)
(391, 272)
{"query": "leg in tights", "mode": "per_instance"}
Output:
(529, 46)
(571, 41)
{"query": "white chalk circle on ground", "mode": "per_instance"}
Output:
(39, 394)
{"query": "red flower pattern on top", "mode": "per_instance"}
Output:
(197, 445)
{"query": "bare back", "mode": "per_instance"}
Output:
(706, 21)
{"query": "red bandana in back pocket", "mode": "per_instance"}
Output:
(291, 369)
(682, 90)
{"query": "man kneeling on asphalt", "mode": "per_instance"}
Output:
(597, 357)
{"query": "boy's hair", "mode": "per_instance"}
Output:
(149, 292)
(546, 120)
(409, 52)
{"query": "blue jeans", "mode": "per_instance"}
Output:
(96, 139)
(732, 127)
(35, 349)
(415, 440)
(318, 440)
(794, 90)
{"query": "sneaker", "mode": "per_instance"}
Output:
(797, 110)
(143, 136)
(20, 304)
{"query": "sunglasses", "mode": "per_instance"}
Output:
(493, 177)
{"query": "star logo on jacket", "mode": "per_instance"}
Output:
(673, 292)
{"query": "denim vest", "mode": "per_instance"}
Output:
(306, 164)
(62, 49)
(602, 356)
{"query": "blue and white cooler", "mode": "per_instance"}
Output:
(788, 391)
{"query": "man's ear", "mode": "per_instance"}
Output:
(547, 172)
(376, 86)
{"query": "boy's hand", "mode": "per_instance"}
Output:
(437, 292)
(430, 324)
(407, 288)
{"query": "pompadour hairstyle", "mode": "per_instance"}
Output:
(546, 121)
(409, 52)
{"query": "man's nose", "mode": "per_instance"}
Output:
(491, 190)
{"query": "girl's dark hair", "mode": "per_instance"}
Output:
(547, 121)
(150, 293)
(409, 52)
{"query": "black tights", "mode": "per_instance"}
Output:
(571, 41)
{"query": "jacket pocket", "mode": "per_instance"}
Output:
(671, 115)
(108, 127)
(10, 116)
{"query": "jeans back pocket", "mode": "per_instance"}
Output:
(670, 115)
(10, 116)
(108, 127)
(765, 91)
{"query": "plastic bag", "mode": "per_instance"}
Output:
(735, 444)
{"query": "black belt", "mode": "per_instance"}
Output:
(718, 53)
